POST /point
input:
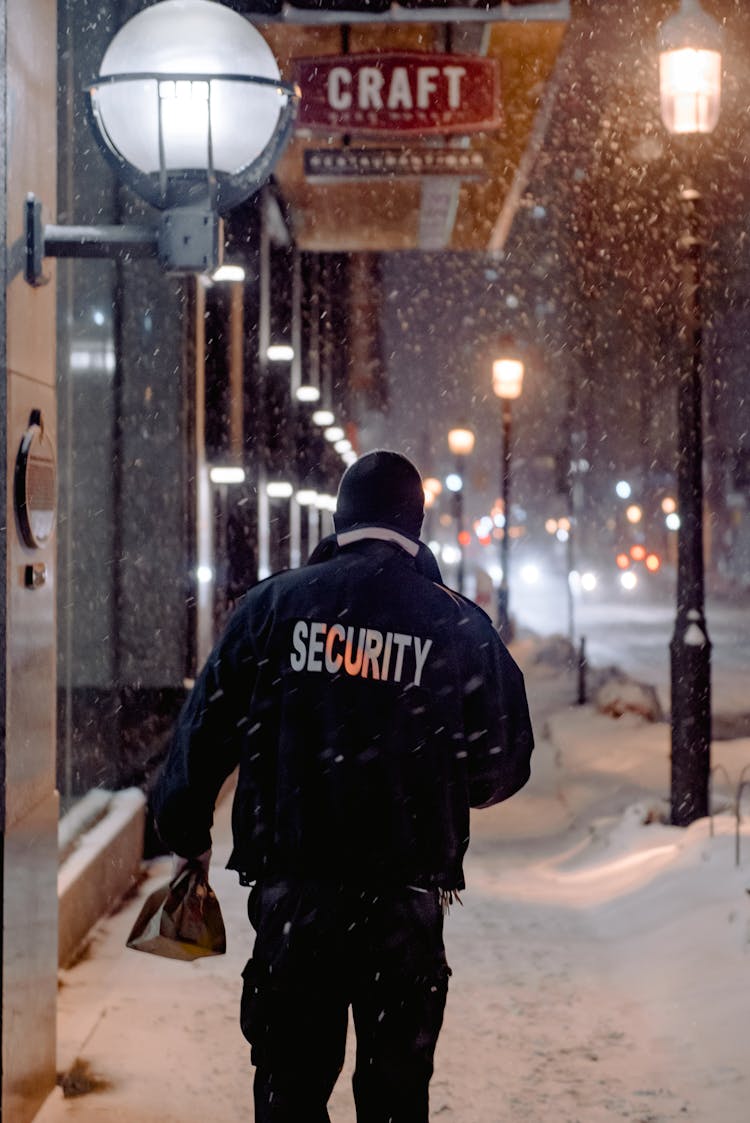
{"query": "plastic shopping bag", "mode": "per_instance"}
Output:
(182, 919)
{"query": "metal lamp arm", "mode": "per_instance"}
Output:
(45, 240)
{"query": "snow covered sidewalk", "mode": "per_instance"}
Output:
(601, 960)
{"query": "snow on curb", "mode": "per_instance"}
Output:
(101, 868)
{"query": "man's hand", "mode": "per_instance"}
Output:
(179, 863)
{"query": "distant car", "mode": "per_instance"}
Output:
(636, 565)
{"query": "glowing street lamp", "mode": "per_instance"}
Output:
(279, 353)
(690, 45)
(690, 88)
(432, 488)
(461, 444)
(507, 378)
(461, 441)
(507, 383)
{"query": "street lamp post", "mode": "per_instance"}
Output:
(507, 380)
(690, 90)
(432, 489)
(461, 444)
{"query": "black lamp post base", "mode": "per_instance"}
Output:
(691, 730)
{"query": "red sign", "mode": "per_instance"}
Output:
(398, 92)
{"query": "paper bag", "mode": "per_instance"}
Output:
(181, 920)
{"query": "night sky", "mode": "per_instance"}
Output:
(588, 286)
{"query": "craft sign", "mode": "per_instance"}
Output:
(398, 92)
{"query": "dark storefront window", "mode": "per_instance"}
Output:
(126, 581)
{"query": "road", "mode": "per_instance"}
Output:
(633, 632)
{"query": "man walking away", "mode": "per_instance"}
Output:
(368, 707)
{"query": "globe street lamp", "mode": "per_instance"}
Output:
(507, 381)
(190, 110)
(690, 89)
(461, 444)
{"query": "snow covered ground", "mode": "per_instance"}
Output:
(601, 959)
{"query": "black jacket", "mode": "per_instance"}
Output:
(367, 706)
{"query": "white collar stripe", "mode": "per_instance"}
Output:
(381, 532)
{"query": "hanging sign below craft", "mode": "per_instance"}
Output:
(409, 163)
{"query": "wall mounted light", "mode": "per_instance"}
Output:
(279, 489)
(190, 110)
(306, 497)
(307, 393)
(228, 273)
(226, 474)
(279, 353)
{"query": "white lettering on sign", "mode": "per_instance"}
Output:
(426, 85)
(370, 84)
(400, 94)
(454, 74)
(362, 652)
(338, 96)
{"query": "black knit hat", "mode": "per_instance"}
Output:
(381, 489)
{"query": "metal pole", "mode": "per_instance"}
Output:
(503, 612)
(205, 551)
(570, 564)
(122, 242)
(461, 576)
(261, 422)
(570, 548)
(582, 668)
(236, 372)
(690, 648)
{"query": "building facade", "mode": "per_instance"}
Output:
(127, 394)
(122, 388)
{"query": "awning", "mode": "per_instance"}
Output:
(406, 11)
(377, 192)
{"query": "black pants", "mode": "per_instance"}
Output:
(318, 950)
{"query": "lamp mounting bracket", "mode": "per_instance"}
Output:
(187, 239)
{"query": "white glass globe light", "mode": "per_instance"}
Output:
(159, 113)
